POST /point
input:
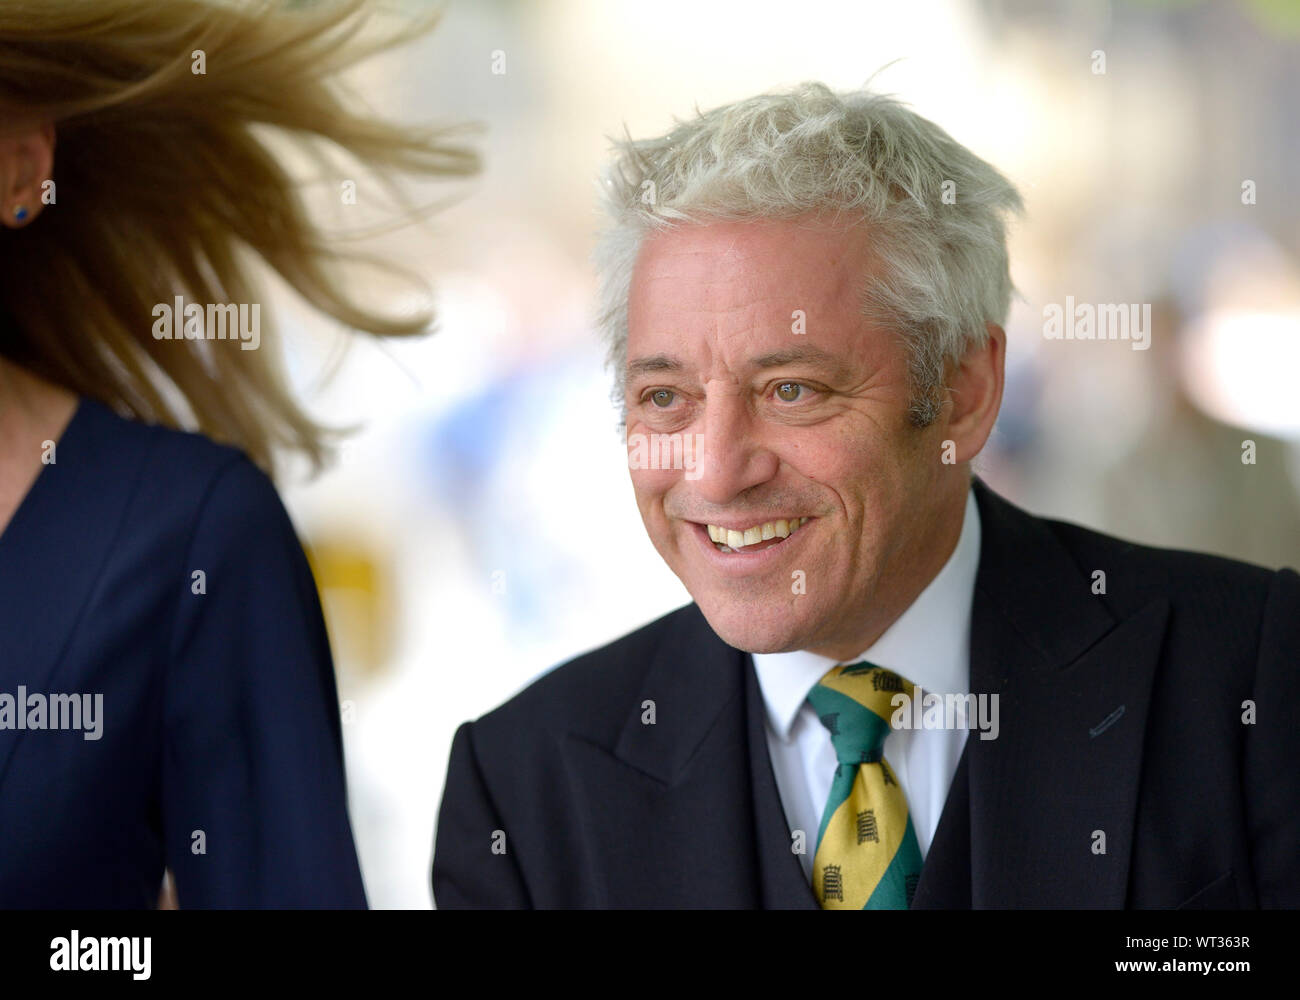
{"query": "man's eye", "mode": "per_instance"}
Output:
(789, 392)
(661, 397)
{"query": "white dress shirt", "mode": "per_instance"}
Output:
(929, 645)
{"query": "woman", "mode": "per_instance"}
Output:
(167, 697)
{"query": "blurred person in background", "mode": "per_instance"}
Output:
(167, 696)
(804, 296)
(1171, 484)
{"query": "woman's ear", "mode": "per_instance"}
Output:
(26, 163)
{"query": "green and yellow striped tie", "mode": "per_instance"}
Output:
(867, 855)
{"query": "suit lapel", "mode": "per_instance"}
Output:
(693, 677)
(945, 882)
(694, 792)
(1052, 798)
(53, 552)
(671, 799)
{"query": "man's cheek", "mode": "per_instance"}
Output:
(662, 452)
(650, 483)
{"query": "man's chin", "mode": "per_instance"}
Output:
(749, 630)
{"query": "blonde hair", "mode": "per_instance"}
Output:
(163, 185)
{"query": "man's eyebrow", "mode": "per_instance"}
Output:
(653, 363)
(835, 365)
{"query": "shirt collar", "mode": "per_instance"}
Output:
(929, 643)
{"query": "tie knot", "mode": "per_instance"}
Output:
(854, 703)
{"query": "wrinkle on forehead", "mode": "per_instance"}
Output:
(738, 285)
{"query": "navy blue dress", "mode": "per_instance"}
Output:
(160, 572)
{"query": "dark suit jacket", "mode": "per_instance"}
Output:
(219, 711)
(1120, 712)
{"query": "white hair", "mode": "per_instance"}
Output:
(935, 212)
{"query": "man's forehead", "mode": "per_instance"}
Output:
(748, 292)
(738, 246)
(752, 273)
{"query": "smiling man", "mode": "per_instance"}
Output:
(892, 688)
(810, 430)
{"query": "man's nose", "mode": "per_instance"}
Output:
(732, 453)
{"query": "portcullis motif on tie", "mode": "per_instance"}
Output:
(867, 854)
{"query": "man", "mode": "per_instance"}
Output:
(804, 295)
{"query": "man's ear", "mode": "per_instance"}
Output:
(975, 394)
(26, 162)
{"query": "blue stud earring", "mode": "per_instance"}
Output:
(20, 214)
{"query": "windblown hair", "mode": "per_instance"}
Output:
(940, 269)
(165, 185)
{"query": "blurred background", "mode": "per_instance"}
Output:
(479, 527)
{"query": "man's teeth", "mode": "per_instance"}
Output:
(731, 539)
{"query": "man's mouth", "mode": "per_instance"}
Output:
(759, 536)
